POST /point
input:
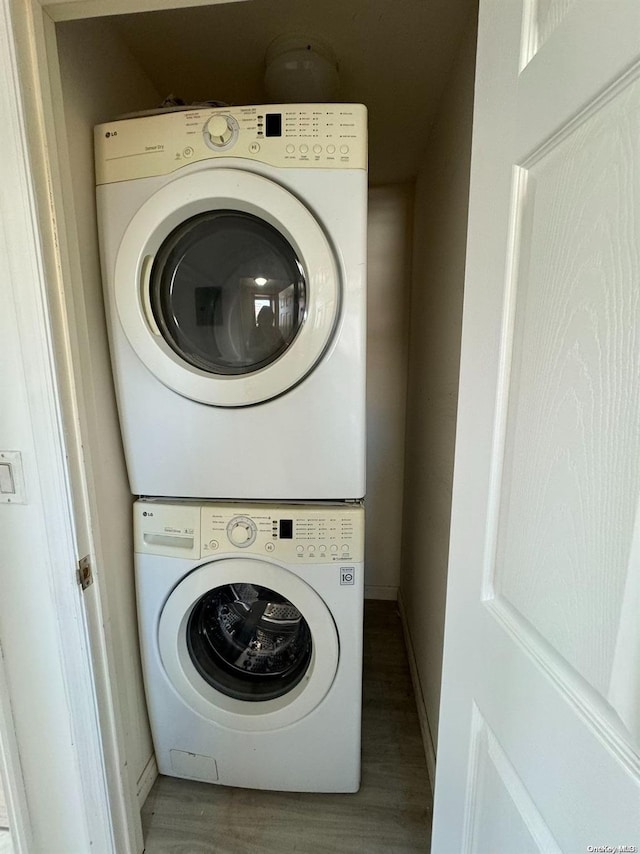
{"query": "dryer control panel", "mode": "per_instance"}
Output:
(292, 533)
(318, 136)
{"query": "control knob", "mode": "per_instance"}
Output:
(240, 534)
(242, 531)
(219, 130)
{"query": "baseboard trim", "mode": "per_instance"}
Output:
(380, 592)
(147, 779)
(425, 729)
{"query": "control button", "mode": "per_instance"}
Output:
(304, 148)
(254, 148)
(334, 548)
(345, 547)
(290, 149)
(312, 549)
(270, 547)
(214, 544)
(344, 149)
(331, 149)
(323, 549)
(299, 549)
(317, 149)
(188, 152)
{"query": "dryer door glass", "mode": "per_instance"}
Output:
(228, 292)
(248, 642)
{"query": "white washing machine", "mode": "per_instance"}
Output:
(250, 621)
(233, 245)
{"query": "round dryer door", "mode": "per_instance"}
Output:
(248, 644)
(227, 287)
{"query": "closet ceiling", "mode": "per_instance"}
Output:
(393, 55)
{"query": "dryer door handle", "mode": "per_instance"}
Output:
(145, 296)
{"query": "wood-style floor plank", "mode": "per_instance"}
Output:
(391, 812)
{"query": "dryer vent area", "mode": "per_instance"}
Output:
(412, 65)
(391, 812)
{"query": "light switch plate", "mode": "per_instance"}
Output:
(12, 489)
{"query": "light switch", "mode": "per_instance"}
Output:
(11, 478)
(7, 483)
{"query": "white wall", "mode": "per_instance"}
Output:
(388, 284)
(100, 79)
(442, 191)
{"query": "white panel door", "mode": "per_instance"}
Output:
(538, 748)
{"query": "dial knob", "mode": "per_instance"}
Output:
(240, 534)
(219, 130)
(242, 531)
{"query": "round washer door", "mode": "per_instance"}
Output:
(226, 287)
(248, 644)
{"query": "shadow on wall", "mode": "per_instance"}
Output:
(388, 280)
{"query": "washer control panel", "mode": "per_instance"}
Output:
(316, 533)
(301, 533)
(325, 136)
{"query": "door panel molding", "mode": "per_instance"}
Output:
(488, 759)
(595, 710)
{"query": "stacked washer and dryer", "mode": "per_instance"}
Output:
(233, 246)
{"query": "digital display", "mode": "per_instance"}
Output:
(286, 529)
(274, 124)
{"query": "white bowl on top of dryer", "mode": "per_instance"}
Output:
(250, 622)
(233, 245)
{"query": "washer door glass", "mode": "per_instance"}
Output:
(228, 292)
(248, 642)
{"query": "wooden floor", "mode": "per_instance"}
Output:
(391, 812)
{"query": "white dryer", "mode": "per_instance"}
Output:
(250, 622)
(233, 245)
